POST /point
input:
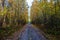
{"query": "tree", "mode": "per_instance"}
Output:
(47, 13)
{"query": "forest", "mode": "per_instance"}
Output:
(13, 15)
(45, 14)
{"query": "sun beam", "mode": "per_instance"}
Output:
(29, 2)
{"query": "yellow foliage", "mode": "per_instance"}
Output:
(4, 11)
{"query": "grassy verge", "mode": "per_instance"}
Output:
(9, 31)
(49, 33)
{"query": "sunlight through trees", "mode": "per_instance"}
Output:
(14, 14)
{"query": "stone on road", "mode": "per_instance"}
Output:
(31, 33)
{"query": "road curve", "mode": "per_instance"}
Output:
(31, 33)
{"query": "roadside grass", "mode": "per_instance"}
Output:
(9, 31)
(49, 33)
